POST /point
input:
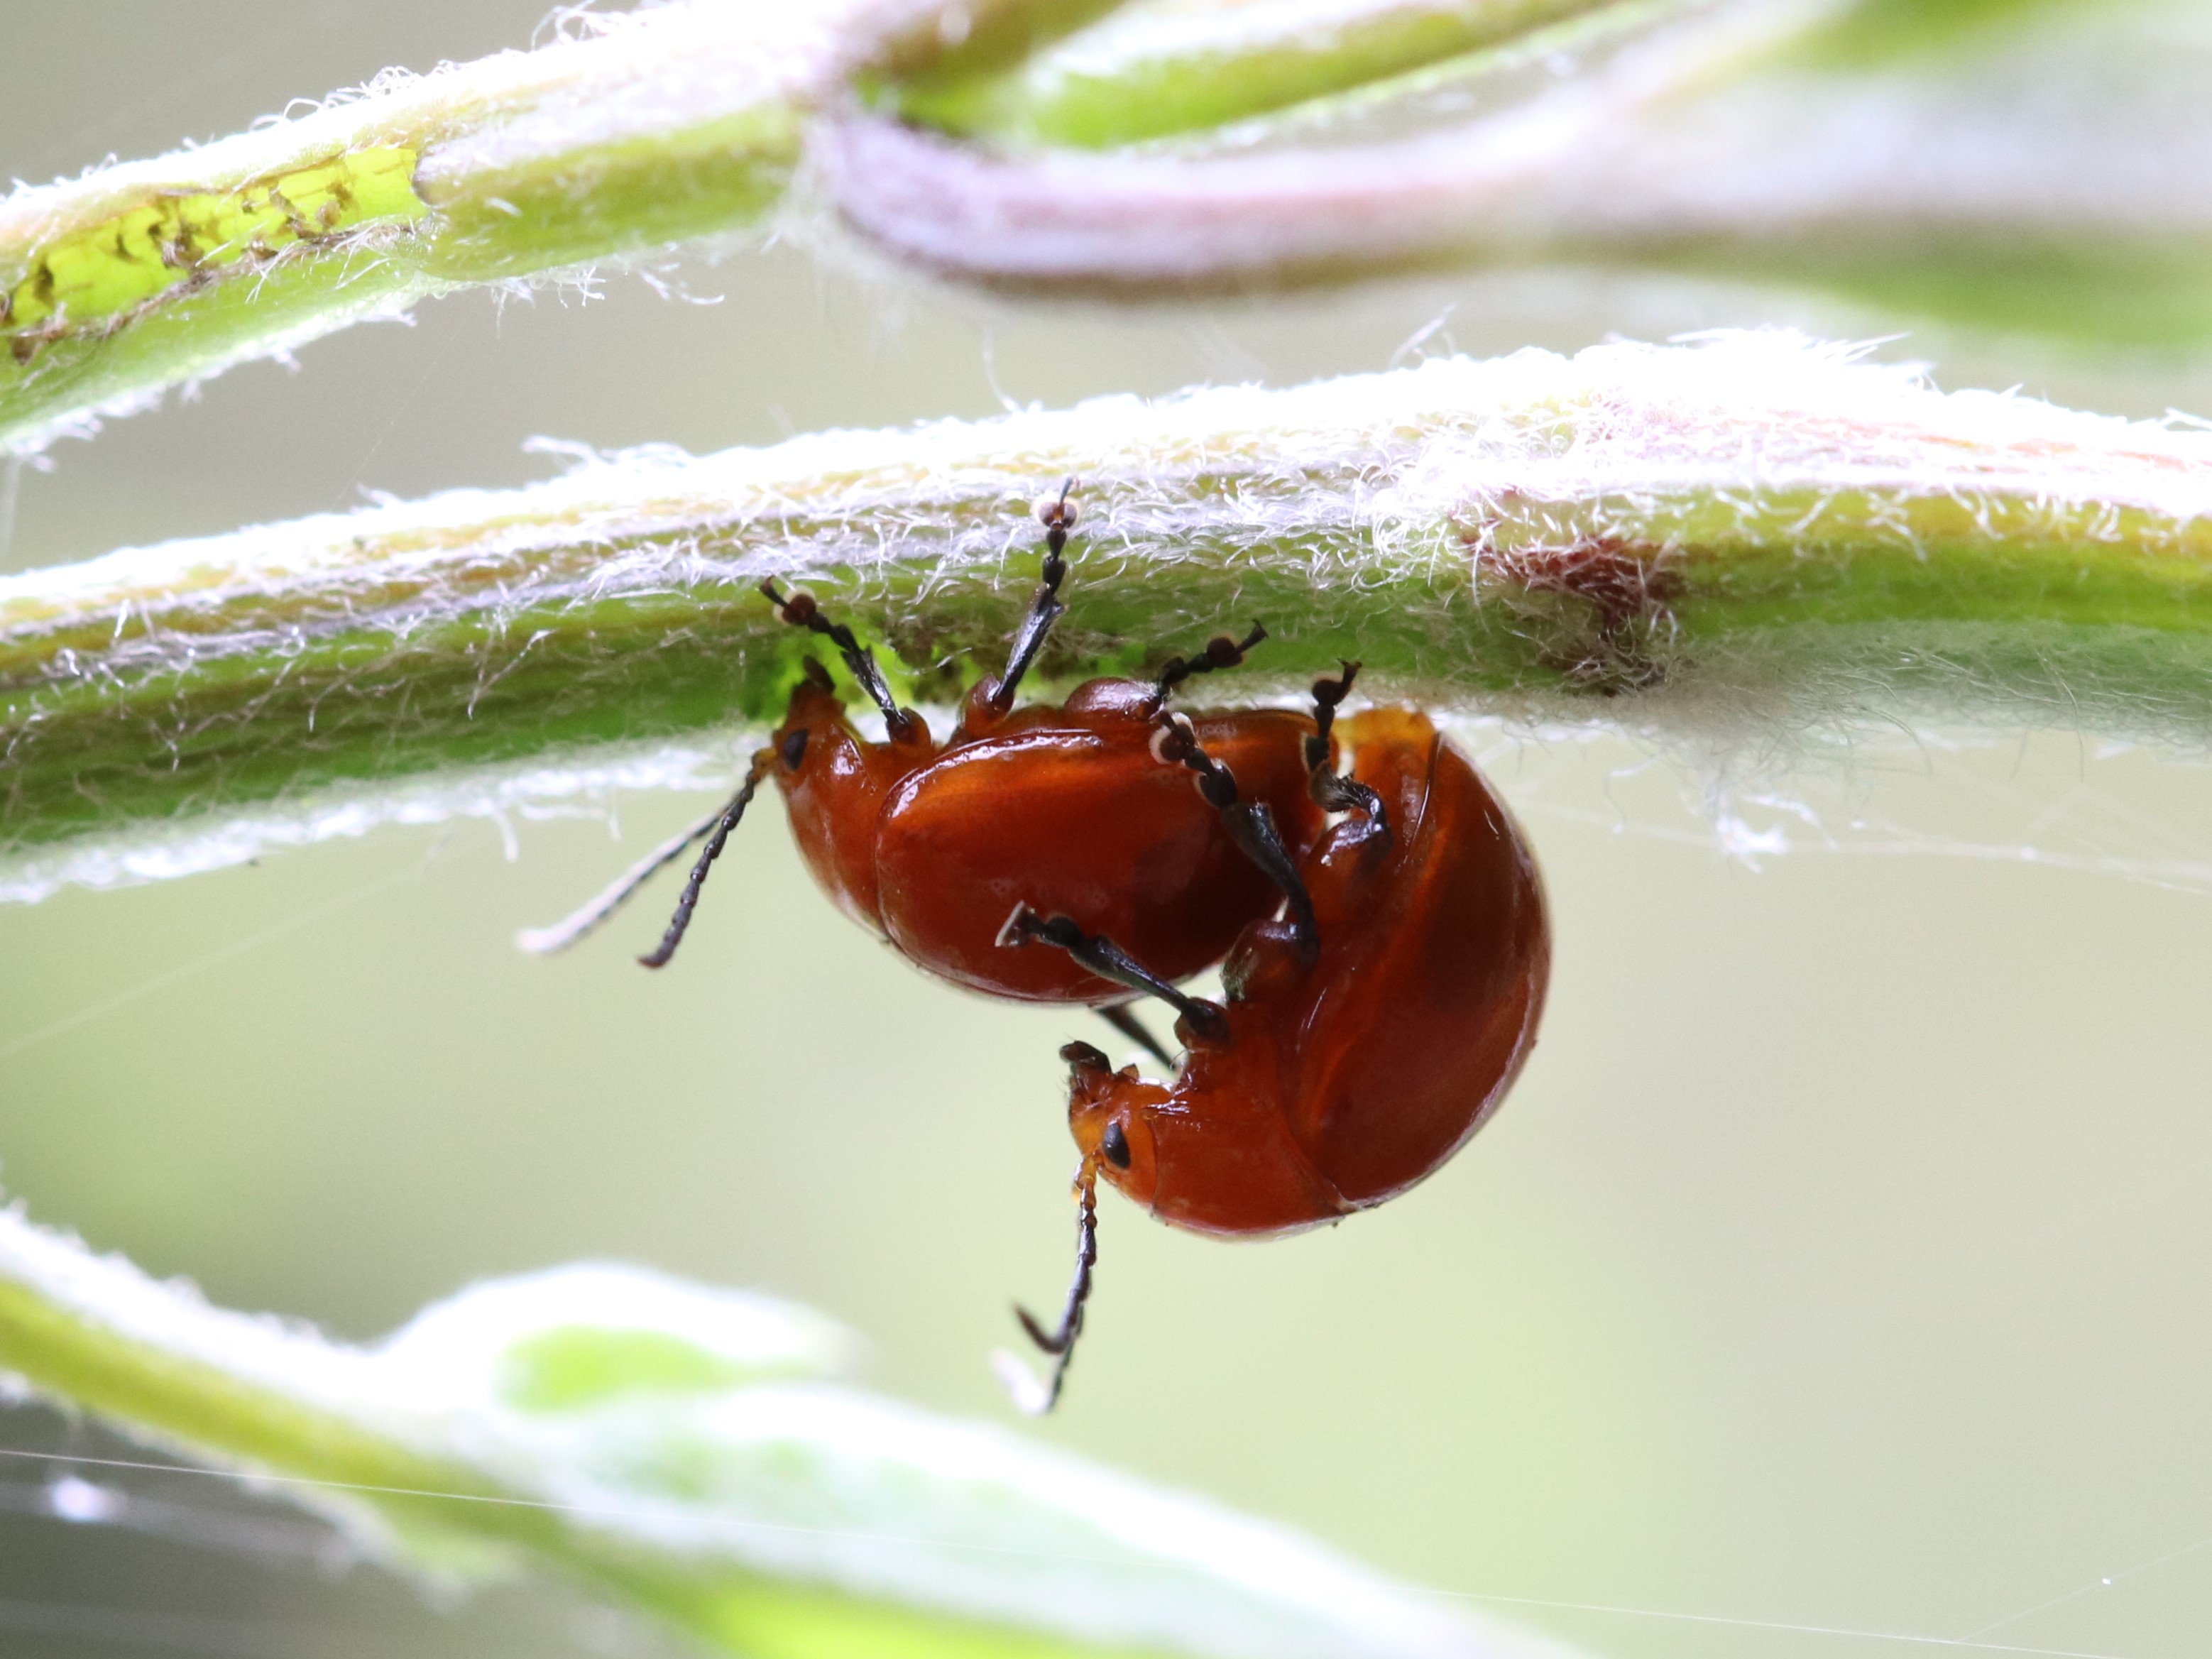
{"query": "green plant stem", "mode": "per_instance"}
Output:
(1149, 71)
(1740, 540)
(1723, 140)
(1966, 160)
(656, 128)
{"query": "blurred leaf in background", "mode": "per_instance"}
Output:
(679, 1447)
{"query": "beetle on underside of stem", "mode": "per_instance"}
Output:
(1381, 931)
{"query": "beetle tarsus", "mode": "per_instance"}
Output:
(1332, 791)
(1030, 1394)
(1220, 652)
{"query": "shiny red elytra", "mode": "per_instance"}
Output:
(1382, 935)
(1337, 1076)
(1063, 809)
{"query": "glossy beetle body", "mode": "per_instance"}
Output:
(1344, 1077)
(1064, 808)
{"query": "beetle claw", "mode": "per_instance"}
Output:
(1046, 1340)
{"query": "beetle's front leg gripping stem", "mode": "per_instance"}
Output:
(1250, 823)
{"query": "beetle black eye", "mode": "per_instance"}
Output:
(794, 748)
(1115, 1145)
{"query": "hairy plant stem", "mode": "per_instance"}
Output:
(1738, 541)
(1316, 142)
(650, 128)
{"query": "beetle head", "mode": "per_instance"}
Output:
(814, 714)
(1110, 1114)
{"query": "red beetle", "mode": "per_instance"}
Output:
(1067, 810)
(1347, 1063)
(1384, 973)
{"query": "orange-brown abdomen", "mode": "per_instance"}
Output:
(1065, 810)
(1348, 1076)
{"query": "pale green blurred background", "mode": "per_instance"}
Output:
(1843, 1260)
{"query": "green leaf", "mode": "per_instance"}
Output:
(581, 1365)
(677, 1448)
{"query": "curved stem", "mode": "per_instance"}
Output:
(1724, 136)
(1149, 72)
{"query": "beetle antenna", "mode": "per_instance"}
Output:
(547, 941)
(1250, 823)
(1057, 513)
(1221, 652)
(722, 824)
(1331, 790)
(1031, 1394)
(1109, 960)
(800, 610)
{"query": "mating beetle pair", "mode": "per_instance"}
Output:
(1382, 935)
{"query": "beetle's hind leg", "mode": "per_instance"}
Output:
(1250, 823)
(1109, 960)
(1332, 790)
(1122, 1016)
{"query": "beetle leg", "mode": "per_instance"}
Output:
(1250, 824)
(688, 900)
(1221, 652)
(1031, 1396)
(1057, 514)
(545, 941)
(1332, 790)
(1109, 960)
(800, 610)
(1123, 1019)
